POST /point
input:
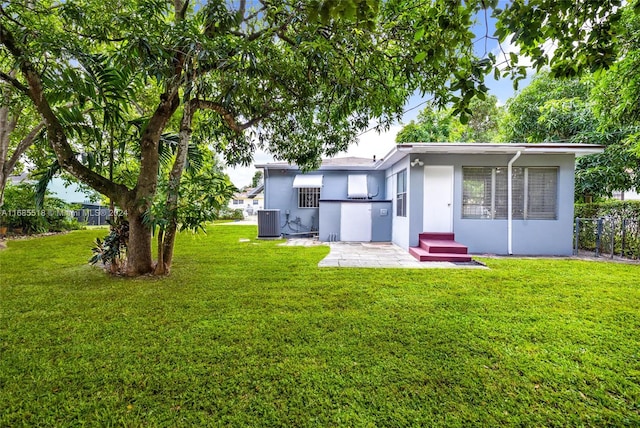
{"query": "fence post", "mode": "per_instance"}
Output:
(576, 237)
(613, 235)
(599, 235)
(624, 236)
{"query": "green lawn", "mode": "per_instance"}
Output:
(254, 334)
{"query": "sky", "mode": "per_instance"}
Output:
(379, 144)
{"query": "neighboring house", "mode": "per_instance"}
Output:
(90, 213)
(437, 187)
(629, 195)
(20, 179)
(249, 201)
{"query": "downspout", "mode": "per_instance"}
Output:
(264, 189)
(510, 203)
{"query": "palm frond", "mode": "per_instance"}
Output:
(45, 177)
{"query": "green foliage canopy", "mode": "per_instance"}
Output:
(434, 125)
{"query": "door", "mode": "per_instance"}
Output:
(438, 199)
(355, 222)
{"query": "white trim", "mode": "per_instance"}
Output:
(401, 150)
(437, 206)
(303, 181)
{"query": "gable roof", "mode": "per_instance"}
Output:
(255, 191)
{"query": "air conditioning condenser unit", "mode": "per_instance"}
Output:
(268, 223)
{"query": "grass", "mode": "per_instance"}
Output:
(254, 334)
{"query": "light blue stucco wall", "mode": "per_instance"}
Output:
(330, 217)
(530, 237)
(401, 225)
(280, 194)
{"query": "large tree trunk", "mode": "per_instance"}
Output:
(7, 126)
(139, 257)
(165, 256)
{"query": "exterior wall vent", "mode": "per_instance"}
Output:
(268, 223)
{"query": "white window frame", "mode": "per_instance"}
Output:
(401, 193)
(522, 195)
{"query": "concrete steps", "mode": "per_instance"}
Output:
(439, 247)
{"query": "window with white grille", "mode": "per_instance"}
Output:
(308, 197)
(485, 193)
(401, 193)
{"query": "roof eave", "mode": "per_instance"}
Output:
(401, 150)
(321, 168)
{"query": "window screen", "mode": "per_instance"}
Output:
(401, 193)
(476, 193)
(485, 193)
(542, 193)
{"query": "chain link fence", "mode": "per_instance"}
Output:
(606, 237)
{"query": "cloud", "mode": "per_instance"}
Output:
(503, 51)
(242, 175)
(373, 143)
(369, 144)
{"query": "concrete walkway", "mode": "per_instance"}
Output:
(375, 255)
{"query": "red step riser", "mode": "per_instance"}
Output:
(434, 258)
(430, 257)
(432, 247)
(437, 236)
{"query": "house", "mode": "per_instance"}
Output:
(629, 195)
(249, 201)
(494, 198)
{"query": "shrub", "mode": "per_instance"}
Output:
(19, 212)
(112, 252)
(617, 210)
(227, 213)
(621, 222)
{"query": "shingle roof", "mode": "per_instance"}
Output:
(331, 163)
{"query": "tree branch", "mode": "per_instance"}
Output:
(181, 9)
(22, 147)
(12, 80)
(242, 8)
(228, 117)
(57, 137)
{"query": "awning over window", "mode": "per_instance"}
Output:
(357, 186)
(303, 181)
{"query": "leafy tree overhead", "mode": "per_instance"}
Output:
(522, 122)
(584, 33)
(562, 110)
(309, 84)
(433, 125)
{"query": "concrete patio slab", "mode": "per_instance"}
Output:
(375, 255)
